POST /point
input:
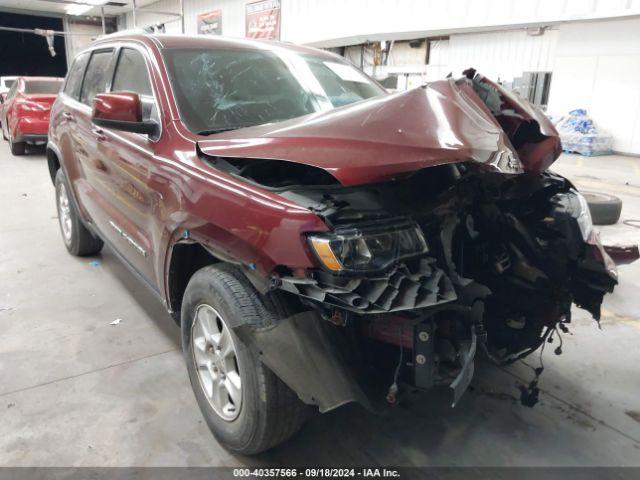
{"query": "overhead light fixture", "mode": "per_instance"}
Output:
(82, 8)
(78, 9)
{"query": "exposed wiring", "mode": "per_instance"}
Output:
(529, 394)
(513, 359)
(393, 389)
(397, 372)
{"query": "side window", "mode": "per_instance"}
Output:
(74, 77)
(95, 80)
(132, 76)
(131, 73)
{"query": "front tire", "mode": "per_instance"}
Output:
(256, 410)
(80, 242)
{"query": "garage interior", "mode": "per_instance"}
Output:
(91, 366)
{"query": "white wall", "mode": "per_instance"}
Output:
(597, 67)
(83, 36)
(232, 15)
(143, 19)
(329, 23)
(502, 55)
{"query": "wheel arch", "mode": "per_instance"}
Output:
(53, 161)
(185, 258)
(189, 250)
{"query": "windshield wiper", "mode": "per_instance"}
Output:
(221, 129)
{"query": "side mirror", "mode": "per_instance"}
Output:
(121, 111)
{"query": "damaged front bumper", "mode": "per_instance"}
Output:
(310, 357)
(406, 286)
(500, 274)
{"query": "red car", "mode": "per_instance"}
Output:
(318, 240)
(25, 111)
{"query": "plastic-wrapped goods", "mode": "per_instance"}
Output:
(580, 135)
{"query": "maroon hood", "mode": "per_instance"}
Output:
(386, 137)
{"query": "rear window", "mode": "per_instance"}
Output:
(74, 77)
(42, 86)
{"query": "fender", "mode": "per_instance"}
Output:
(256, 266)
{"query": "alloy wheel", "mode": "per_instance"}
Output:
(64, 214)
(216, 362)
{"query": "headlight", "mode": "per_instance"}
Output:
(368, 249)
(583, 217)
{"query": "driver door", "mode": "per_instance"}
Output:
(128, 159)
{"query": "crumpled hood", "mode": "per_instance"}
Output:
(384, 137)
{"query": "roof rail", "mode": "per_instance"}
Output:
(128, 31)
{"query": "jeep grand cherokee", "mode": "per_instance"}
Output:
(319, 240)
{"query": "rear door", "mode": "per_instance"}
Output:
(64, 118)
(91, 180)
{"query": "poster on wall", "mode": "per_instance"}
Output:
(263, 20)
(210, 23)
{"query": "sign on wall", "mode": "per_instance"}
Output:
(263, 20)
(210, 23)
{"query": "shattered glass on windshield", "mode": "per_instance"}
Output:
(219, 90)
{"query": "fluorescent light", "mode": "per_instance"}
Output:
(78, 9)
(84, 7)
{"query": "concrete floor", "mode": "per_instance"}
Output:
(76, 391)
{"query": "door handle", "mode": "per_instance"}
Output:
(67, 115)
(99, 134)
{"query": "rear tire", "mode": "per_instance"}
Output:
(267, 412)
(79, 241)
(17, 148)
(605, 209)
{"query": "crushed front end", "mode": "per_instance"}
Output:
(483, 250)
(452, 260)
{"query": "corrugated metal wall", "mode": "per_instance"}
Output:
(502, 55)
(339, 22)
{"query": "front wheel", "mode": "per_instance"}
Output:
(79, 241)
(246, 406)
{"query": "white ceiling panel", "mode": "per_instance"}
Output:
(59, 7)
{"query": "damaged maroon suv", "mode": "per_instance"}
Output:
(319, 240)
